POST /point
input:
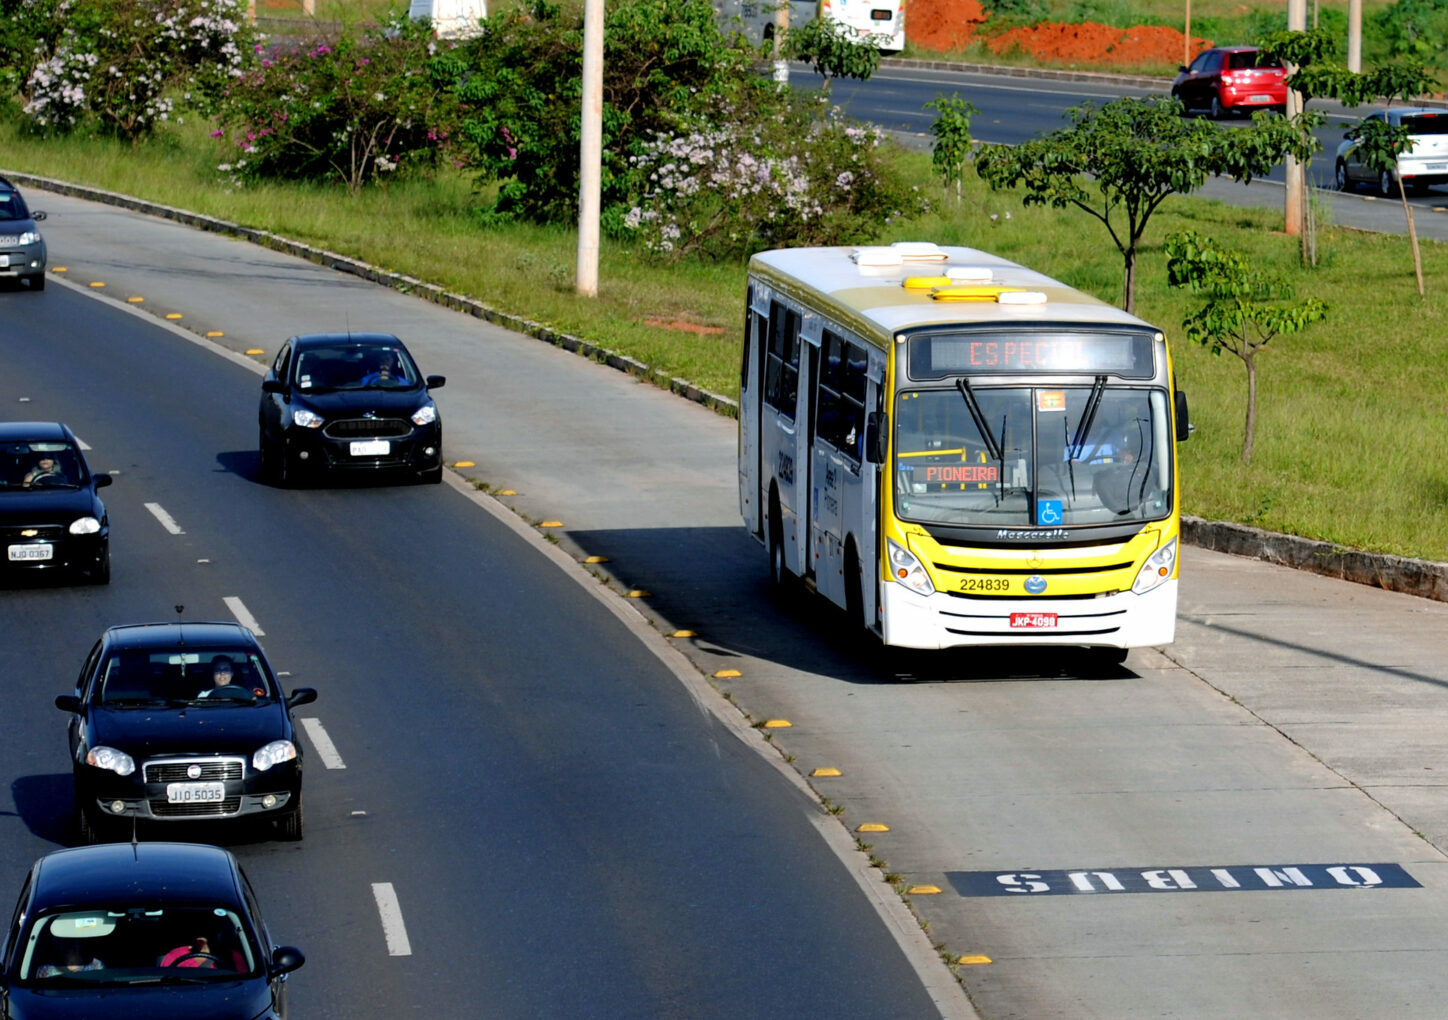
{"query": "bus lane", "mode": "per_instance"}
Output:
(1289, 741)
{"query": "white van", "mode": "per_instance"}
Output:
(451, 19)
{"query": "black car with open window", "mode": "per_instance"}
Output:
(348, 402)
(152, 931)
(182, 722)
(52, 520)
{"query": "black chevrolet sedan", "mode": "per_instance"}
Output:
(348, 402)
(152, 931)
(182, 722)
(52, 520)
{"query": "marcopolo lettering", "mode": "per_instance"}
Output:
(1235, 878)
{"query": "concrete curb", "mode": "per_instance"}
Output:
(1423, 578)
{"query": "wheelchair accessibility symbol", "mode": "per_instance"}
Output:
(1049, 511)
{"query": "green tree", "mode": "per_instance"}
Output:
(1379, 144)
(1120, 161)
(953, 144)
(1243, 309)
(663, 61)
(834, 50)
(28, 32)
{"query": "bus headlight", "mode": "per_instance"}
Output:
(1156, 569)
(906, 569)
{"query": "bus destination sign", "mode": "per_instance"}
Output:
(940, 355)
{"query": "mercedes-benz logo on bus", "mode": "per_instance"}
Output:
(193, 771)
(1035, 584)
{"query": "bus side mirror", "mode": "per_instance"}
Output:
(1183, 420)
(877, 428)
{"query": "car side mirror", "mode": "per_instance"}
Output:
(67, 703)
(286, 959)
(103, 480)
(877, 431)
(37, 215)
(1183, 419)
(273, 385)
(302, 696)
(435, 382)
(1182, 69)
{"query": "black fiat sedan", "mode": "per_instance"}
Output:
(182, 722)
(153, 931)
(52, 520)
(348, 402)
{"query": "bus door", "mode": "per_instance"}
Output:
(809, 351)
(751, 388)
(782, 465)
(836, 473)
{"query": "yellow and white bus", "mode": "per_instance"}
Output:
(958, 450)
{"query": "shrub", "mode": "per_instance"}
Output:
(355, 110)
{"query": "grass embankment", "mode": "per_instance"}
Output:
(1352, 441)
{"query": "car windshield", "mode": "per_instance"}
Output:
(1021, 456)
(12, 207)
(1427, 123)
(35, 466)
(137, 945)
(355, 367)
(200, 677)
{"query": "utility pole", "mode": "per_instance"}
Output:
(1355, 36)
(590, 149)
(1187, 37)
(1295, 178)
(781, 29)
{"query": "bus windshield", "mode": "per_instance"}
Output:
(1032, 456)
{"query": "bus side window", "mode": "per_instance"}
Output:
(781, 385)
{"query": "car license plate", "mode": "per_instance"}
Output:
(1261, 99)
(195, 793)
(26, 553)
(1033, 621)
(371, 448)
(1436, 166)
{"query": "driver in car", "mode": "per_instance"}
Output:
(45, 467)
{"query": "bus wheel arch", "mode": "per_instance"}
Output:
(854, 586)
(778, 571)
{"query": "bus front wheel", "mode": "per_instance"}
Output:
(854, 597)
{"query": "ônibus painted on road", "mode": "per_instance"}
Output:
(756, 19)
(958, 450)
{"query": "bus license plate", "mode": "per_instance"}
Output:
(371, 448)
(195, 793)
(1033, 621)
(25, 553)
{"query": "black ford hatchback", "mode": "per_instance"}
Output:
(182, 722)
(153, 931)
(52, 520)
(352, 403)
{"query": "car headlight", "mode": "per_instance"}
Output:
(119, 762)
(425, 415)
(906, 569)
(306, 419)
(1156, 569)
(274, 753)
(84, 526)
(30, 237)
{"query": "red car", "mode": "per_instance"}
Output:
(1231, 79)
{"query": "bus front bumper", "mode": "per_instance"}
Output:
(1120, 620)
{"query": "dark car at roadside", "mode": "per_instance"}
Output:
(351, 404)
(144, 931)
(22, 249)
(154, 739)
(52, 520)
(1228, 80)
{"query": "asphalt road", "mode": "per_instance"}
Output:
(565, 831)
(1257, 810)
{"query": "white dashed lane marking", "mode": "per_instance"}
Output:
(167, 521)
(243, 615)
(326, 750)
(392, 927)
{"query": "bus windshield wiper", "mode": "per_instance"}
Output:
(992, 445)
(1088, 418)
